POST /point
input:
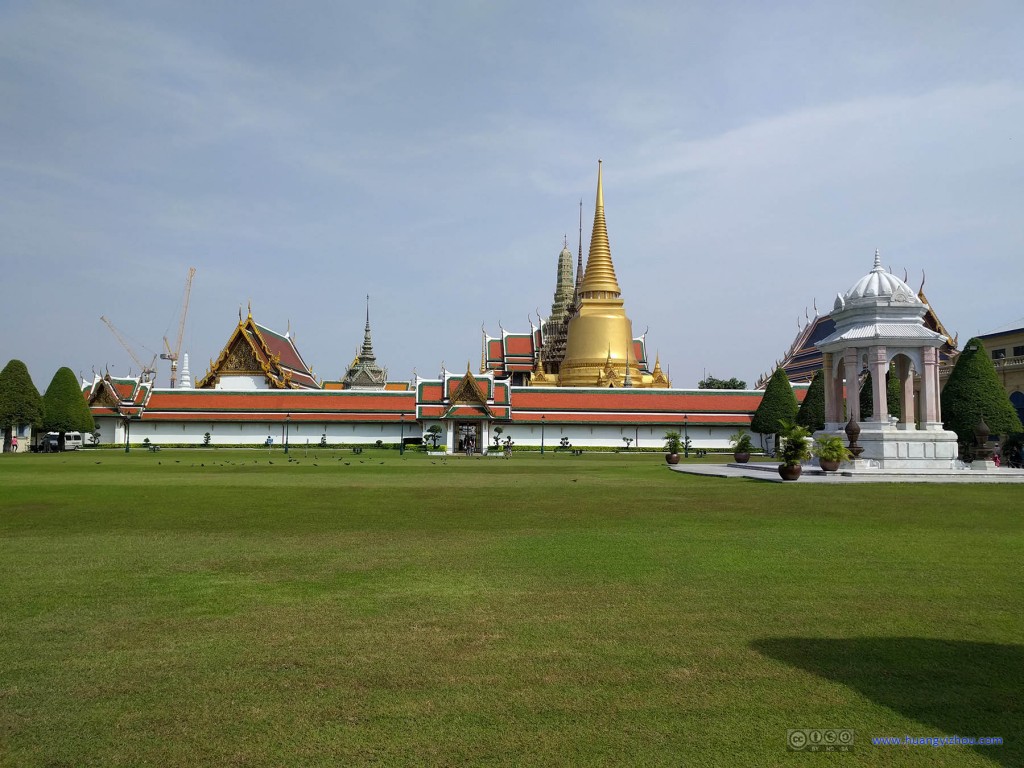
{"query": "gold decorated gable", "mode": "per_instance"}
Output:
(105, 396)
(241, 358)
(468, 393)
(246, 353)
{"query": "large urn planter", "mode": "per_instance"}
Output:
(741, 458)
(828, 466)
(672, 458)
(790, 471)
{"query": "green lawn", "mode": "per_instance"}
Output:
(211, 608)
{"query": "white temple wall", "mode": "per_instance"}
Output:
(368, 433)
(238, 383)
(611, 435)
(253, 433)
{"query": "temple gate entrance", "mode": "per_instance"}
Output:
(468, 437)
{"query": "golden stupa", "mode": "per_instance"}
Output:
(599, 349)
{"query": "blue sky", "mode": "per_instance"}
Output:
(433, 155)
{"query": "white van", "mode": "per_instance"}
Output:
(72, 441)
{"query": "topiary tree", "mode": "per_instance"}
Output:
(812, 410)
(778, 405)
(20, 402)
(973, 391)
(64, 407)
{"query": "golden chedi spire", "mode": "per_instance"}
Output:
(599, 277)
(599, 348)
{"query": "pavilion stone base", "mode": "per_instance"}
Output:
(895, 447)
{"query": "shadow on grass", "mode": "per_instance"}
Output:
(953, 687)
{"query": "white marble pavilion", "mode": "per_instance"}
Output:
(880, 321)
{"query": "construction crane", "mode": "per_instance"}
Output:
(172, 353)
(147, 371)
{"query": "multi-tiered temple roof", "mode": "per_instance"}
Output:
(256, 357)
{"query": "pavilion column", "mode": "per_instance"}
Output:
(837, 392)
(830, 390)
(878, 365)
(851, 361)
(930, 388)
(906, 376)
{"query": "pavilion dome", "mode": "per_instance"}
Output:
(879, 284)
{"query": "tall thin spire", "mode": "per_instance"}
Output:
(579, 251)
(599, 280)
(364, 373)
(366, 354)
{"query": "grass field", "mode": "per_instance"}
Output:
(214, 608)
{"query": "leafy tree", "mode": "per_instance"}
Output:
(812, 410)
(64, 407)
(778, 405)
(20, 402)
(433, 434)
(973, 391)
(712, 383)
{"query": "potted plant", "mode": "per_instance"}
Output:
(794, 450)
(830, 452)
(673, 444)
(741, 445)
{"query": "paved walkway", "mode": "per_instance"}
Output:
(769, 472)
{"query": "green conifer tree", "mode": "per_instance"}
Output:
(20, 402)
(973, 391)
(812, 410)
(64, 406)
(777, 405)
